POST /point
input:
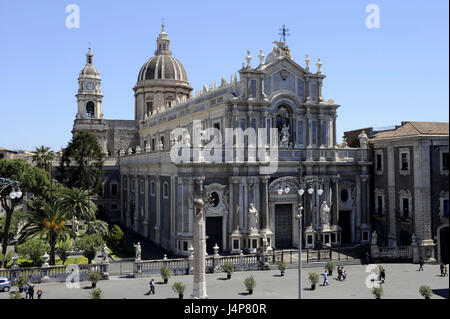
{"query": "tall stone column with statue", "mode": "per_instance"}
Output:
(199, 241)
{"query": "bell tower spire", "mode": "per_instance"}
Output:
(163, 42)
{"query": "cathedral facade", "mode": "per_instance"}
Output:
(281, 124)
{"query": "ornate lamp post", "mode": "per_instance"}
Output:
(5, 183)
(299, 184)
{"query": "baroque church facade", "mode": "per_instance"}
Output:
(279, 99)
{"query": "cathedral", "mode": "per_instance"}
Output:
(254, 199)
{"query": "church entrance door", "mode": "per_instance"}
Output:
(444, 244)
(214, 233)
(283, 226)
(345, 224)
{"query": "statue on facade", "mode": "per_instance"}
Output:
(138, 251)
(324, 213)
(284, 136)
(105, 252)
(374, 238)
(252, 218)
(363, 139)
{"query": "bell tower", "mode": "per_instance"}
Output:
(89, 97)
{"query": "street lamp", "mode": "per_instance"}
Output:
(5, 183)
(303, 183)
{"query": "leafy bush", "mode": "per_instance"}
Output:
(330, 266)
(15, 295)
(21, 281)
(96, 293)
(377, 292)
(250, 282)
(115, 237)
(426, 292)
(62, 250)
(17, 217)
(98, 227)
(281, 266)
(33, 249)
(228, 268)
(165, 272)
(178, 287)
(94, 277)
(89, 245)
(313, 278)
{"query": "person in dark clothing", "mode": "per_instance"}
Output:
(421, 262)
(31, 292)
(339, 270)
(152, 286)
(442, 269)
(367, 258)
(383, 275)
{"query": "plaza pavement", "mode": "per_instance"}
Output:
(402, 282)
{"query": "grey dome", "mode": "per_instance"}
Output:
(163, 66)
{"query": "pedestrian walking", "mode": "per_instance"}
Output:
(344, 274)
(325, 278)
(445, 270)
(39, 293)
(27, 286)
(339, 270)
(442, 267)
(383, 275)
(152, 286)
(31, 291)
(421, 262)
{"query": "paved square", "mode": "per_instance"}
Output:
(402, 282)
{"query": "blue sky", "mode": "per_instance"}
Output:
(379, 76)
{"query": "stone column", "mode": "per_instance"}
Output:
(128, 210)
(335, 200)
(199, 288)
(158, 208)
(264, 204)
(136, 202)
(146, 208)
(319, 136)
(308, 129)
(364, 199)
(334, 131)
(121, 196)
(392, 237)
(236, 208)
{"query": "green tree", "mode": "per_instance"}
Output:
(18, 217)
(89, 245)
(33, 249)
(82, 162)
(32, 180)
(49, 224)
(62, 250)
(116, 237)
(43, 158)
(78, 203)
(98, 227)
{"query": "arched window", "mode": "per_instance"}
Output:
(90, 109)
(166, 190)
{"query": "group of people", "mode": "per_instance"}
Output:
(443, 268)
(29, 292)
(342, 274)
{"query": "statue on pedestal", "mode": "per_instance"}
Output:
(374, 238)
(252, 218)
(75, 224)
(138, 251)
(324, 213)
(105, 252)
(284, 136)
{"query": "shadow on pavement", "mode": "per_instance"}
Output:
(441, 292)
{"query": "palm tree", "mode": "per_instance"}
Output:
(49, 223)
(43, 158)
(79, 203)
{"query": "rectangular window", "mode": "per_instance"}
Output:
(314, 132)
(153, 144)
(149, 108)
(152, 188)
(185, 245)
(445, 161)
(379, 163)
(445, 203)
(379, 205)
(404, 161)
(114, 190)
(314, 92)
(405, 202)
(236, 244)
(142, 187)
(252, 90)
(300, 133)
(162, 142)
(324, 133)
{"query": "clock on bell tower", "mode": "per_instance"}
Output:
(89, 95)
